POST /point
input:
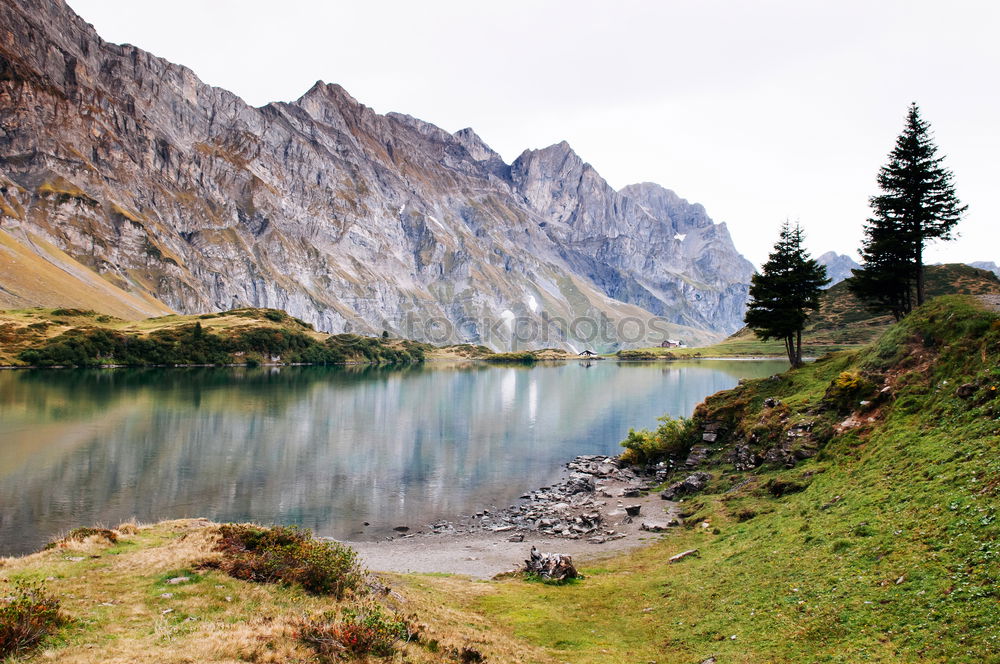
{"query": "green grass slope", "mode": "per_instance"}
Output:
(872, 535)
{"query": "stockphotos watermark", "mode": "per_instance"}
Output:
(532, 331)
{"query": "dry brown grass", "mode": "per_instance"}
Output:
(124, 610)
(34, 272)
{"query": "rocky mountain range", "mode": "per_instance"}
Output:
(128, 185)
(838, 266)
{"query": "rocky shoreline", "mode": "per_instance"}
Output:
(596, 500)
(599, 507)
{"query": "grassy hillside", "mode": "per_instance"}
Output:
(842, 322)
(34, 272)
(851, 515)
(75, 337)
(882, 544)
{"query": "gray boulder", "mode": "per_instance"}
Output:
(691, 484)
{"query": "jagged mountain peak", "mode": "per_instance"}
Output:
(650, 191)
(562, 147)
(665, 204)
(421, 126)
(331, 91)
(329, 100)
(557, 153)
(476, 146)
(838, 266)
(536, 170)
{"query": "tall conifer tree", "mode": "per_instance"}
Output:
(788, 286)
(917, 204)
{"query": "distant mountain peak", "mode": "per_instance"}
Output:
(335, 90)
(476, 146)
(838, 266)
(552, 154)
(989, 266)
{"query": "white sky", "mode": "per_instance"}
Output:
(759, 110)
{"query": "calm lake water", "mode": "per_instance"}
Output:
(327, 448)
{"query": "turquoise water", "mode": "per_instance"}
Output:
(327, 448)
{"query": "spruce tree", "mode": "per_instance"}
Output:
(917, 204)
(788, 286)
(886, 282)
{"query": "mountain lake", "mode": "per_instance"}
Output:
(328, 448)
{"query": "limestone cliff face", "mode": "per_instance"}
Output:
(175, 190)
(643, 244)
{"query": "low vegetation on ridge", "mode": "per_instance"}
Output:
(78, 338)
(843, 322)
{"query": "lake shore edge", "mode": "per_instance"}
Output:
(599, 507)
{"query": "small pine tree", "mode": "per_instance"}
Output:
(781, 295)
(917, 204)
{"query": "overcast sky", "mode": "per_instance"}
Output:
(759, 110)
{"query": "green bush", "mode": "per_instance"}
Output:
(288, 554)
(360, 631)
(644, 355)
(26, 617)
(521, 357)
(847, 390)
(343, 348)
(672, 438)
(74, 312)
(192, 344)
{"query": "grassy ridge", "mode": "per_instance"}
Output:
(842, 322)
(78, 337)
(74, 337)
